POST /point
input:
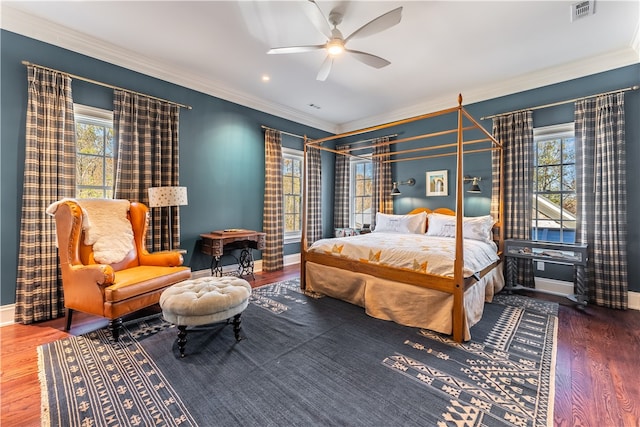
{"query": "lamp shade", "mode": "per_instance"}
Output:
(167, 196)
(395, 191)
(475, 188)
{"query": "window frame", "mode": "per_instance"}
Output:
(98, 117)
(353, 163)
(292, 236)
(562, 132)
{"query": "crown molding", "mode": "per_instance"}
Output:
(534, 80)
(45, 31)
(39, 29)
(635, 41)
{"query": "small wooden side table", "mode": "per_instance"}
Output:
(223, 242)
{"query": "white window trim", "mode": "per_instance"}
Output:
(292, 237)
(352, 184)
(88, 112)
(561, 130)
(94, 115)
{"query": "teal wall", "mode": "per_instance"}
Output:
(222, 148)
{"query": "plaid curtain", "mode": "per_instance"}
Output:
(515, 132)
(602, 196)
(341, 189)
(272, 257)
(49, 175)
(146, 132)
(382, 184)
(314, 195)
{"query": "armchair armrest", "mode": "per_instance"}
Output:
(101, 274)
(84, 286)
(164, 258)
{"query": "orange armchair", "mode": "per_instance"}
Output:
(116, 289)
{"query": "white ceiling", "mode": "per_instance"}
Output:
(440, 48)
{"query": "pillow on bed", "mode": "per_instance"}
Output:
(408, 224)
(476, 227)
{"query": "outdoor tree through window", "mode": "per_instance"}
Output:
(292, 193)
(95, 153)
(554, 192)
(361, 192)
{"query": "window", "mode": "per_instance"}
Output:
(554, 190)
(292, 194)
(361, 190)
(94, 152)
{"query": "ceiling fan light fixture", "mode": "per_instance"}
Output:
(335, 47)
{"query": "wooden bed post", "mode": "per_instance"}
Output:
(303, 237)
(458, 293)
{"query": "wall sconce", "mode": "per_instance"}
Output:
(475, 188)
(160, 197)
(395, 191)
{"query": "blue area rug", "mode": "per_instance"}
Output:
(308, 360)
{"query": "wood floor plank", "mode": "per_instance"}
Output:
(596, 381)
(562, 414)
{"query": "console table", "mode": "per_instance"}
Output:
(223, 242)
(556, 253)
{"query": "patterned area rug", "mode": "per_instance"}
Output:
(308, 360)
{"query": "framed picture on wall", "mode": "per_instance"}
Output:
(437, 183)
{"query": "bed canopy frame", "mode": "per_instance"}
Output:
(457, 285)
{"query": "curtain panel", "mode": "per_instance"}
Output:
(515, 132)
(272, 255)
(602, 196)
(382, 182)
(341, 189)
(49, 175)
(314, 194)
(146, 132)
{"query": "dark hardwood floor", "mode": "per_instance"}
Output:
(597, 382)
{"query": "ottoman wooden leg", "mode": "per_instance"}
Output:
(236, 327)
(182, 339)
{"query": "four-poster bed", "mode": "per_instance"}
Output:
(448, 300)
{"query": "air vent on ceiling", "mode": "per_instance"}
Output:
(582, 9)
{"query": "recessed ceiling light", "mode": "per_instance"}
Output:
(265, 78)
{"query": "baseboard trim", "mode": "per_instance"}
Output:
(7, 312)
(556, 287)
(634, 300)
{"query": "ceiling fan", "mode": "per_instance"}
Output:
(335, 44)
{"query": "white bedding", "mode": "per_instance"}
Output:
(416, 252)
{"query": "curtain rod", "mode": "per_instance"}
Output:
(286, 133)
(636, 87)
(95, 82)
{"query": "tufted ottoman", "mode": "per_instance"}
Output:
(203, 301)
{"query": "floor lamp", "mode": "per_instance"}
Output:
(160, 197)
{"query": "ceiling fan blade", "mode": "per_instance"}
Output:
(325, 69)
(368, 59)
(295, 49)
(319, 21)
(380, 23)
